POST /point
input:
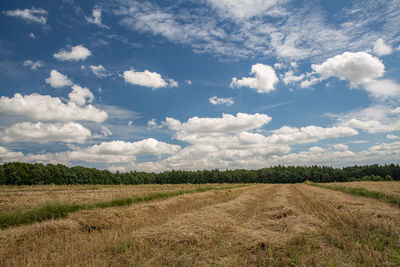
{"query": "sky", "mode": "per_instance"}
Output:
(154, 85)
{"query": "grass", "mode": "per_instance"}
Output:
(60, 210)
(359, 191)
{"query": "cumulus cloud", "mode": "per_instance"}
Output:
(80, 95)
(34, 65)
(109, 152)
(7, 155)
(374, 119)
(96, 18)
(48, 108)
(221, 101)
(76, 53)
(58, 80)
(290, 78)
(37, 15)
(383, 88)
(381, 48)
(70, 132)
(357, 68)
(226, 124)
(99, 71)
(264, 79)
(147, 79)
(308, 134)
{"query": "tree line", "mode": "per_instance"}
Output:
(17, 173)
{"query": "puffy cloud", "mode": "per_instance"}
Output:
(47, 108)
(32, 35)
(374, 119)
(147, 79)
(291, 78)
(7, 156)
(148, 146)
(109, 152)
(70, 132)
(341, 147)
(99, 71)
(96, 18)
(240, 9)
(34, 65)
(80, 95)
(357, 67)
(383, 88)
(188, 82)
(76, 53)
(221, 101)
(308, 134)
(37, 15)
(58, 80)
(227, 124)
(264, 79)
(381, 48)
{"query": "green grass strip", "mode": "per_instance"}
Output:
(61, 210)
(360, 191)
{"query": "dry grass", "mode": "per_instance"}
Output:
(259, 225)
(26, 197)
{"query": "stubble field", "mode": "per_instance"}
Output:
(256, 225)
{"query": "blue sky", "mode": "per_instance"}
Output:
(160, 85)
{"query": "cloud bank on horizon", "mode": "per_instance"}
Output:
(161, 85)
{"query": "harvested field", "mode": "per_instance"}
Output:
(258, 225)
(390, 188)
(25, 197)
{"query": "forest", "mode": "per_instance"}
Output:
(17, 173)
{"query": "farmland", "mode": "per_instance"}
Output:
(231, 225)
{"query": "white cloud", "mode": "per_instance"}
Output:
(240, 9)
(357, 68)
(105, 131)
(341, 147)
(70, 132)
(392, 136)
(242, 31)
(374, 119)
(80, 95)
(58, 80)
(308, 134)
(152, 123)
(383, 88)
(188, 82)
(7, 156)
(221, 101)
(381, 48)
(196, 126)
(99, 71)
(96, 18)
(34, 65)
(264, 79)
(76, 53)
(47, 108)
(290, 78)
(109, 152)
(38, 15)
(32, 35)
(147, 79)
